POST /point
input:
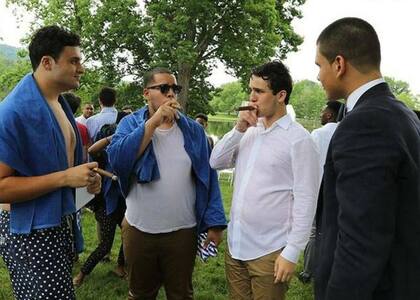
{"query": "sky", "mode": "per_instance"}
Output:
(396, 22)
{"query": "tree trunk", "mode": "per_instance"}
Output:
(184, 77)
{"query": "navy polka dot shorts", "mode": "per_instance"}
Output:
(39, 263)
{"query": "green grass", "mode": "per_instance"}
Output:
(209, 278)
(222, 117)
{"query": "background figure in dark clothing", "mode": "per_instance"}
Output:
(203, 120)
(321, 137)
(107, 215)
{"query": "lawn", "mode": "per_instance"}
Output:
(102, 284)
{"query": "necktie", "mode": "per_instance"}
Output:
(345, 111)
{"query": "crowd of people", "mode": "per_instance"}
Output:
(347, 194)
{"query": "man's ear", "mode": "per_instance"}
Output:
(281, 96)
(339, 65)
(46, 62)
(146, 93)
(329, 115)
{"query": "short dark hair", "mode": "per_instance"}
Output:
(278, 77)
(148, 77)
(334, 108)
(50, 40)
(202, 116)
(73, 101)
(108, 96)
(354, 39)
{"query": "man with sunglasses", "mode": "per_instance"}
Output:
(162, 159)
(277, 176)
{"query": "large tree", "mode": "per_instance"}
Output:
(127, 37)
(401, 90)
(227, 97)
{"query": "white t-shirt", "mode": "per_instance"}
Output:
(166, 204)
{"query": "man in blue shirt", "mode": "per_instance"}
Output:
(40, 156)
(107, 115)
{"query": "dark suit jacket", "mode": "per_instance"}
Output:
(369, 247)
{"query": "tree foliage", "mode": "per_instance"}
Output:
(229, 96)
(127, 37)
(307, 99)
(401, 90)
(11, 72)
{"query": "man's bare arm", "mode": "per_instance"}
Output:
(18, 188)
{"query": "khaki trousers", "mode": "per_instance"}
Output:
(253, 279)
(156, 259)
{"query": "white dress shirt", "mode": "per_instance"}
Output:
(275, 188)
(322, 137)
(357, 93)
(108, 115)
(81, 119)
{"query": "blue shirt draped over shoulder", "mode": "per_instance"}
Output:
(122, 154)
(32, 143)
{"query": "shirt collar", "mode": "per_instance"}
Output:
(284, 122)
(357, 93)
(106, 109)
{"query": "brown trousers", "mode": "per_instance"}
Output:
(156, 259)
(253, 279)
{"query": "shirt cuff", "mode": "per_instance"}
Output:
(236, 134)
(291, 253)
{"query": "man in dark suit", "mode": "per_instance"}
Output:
(370, 230)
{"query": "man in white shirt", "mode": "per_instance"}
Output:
(108, 114)
(87, 112)
(321, 137)
(275, 188)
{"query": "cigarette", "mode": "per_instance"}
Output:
(248, 107)
(105, 173)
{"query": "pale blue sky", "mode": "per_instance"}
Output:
(396, 21)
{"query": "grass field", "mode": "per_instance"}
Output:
(102, 284)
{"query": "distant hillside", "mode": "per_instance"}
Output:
(8, 52)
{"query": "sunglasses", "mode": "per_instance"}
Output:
(164, 88)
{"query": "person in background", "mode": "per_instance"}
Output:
(108, 113)
(161, 157)
(275, 188)
(321, 137)
(369, 241)
(74, 103)
(203, 120)
(40, 165)
(108, 207)
(87, 112)
(128, 109)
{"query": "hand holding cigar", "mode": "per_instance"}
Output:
(175, 105)
(105, 173)
(242, 108)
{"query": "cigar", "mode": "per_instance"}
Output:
(105, 173)
(176, 106)
(248, 107)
